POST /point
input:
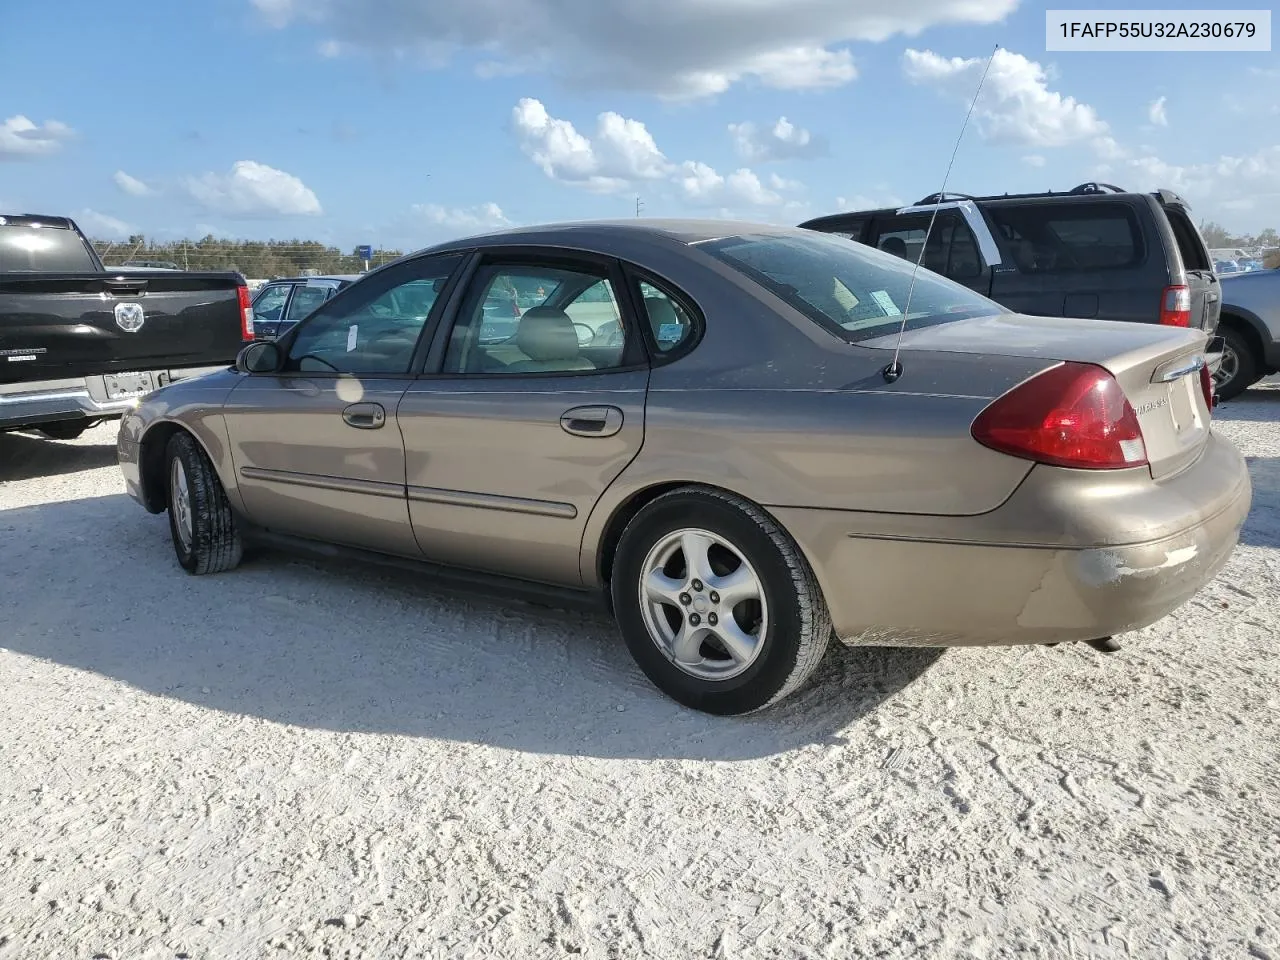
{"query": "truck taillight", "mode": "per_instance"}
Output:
(1175, 306)
(1072, 415)
(246, 313)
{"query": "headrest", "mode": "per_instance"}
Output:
(660, 311)
(546, 333)
(895, 245)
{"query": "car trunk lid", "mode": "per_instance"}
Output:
(1157, 367)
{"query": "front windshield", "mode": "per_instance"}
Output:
(853, 290)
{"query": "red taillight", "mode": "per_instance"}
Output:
(1074, 415)
(1206, 387)
(1175, 306)
(246, 313)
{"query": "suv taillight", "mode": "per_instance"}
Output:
(1073, 415)
(246, 313)
(1175, 306)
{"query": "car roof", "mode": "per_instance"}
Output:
(614, 237)
(349, 277)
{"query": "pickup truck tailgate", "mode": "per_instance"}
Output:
(116, 322)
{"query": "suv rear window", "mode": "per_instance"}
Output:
(853, 290)
(26, 249)
(1053, 237)
(1190, 246)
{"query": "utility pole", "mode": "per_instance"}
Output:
(639, 206)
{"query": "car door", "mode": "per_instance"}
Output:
(510, 440)
(316, 448)
(268, 309)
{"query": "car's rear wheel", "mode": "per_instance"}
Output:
(201, 522)
(716, 603)
(1239, 370)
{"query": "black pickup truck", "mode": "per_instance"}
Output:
(79, 342)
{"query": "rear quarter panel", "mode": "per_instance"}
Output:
(776, 409)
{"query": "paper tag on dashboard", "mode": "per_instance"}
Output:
(885, 303)
(670, 331)
(352, 332)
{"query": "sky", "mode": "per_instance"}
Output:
(399, 123)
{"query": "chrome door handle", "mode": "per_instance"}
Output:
(365, 416)
(591, 421)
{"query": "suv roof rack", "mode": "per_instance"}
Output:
(1083, 189)
(943, 198)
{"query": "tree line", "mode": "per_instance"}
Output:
(254, 258)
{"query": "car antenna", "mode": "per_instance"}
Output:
(894, 370)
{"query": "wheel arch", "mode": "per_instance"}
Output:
(1251, 327)
(630, 507)
(151, 467)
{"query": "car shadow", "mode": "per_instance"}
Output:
(1263, 526)
(27, 457)
(93, 585)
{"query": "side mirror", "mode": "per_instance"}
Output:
(261, 356)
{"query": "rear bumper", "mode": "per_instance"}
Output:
(896, 591)
(84, 398)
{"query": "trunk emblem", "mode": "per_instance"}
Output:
(129, 317)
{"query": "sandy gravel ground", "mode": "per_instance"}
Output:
(301, 758)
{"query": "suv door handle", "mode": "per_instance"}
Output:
(591, 421)
(365, 416)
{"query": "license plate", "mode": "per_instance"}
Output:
(121, 386)
(1182, 404)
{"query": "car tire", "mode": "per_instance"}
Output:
(201, 522)
(1239, 361)
(735, 543)
(64, 429)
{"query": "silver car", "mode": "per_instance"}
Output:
(748, 471)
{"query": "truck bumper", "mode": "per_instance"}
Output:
(85, 398)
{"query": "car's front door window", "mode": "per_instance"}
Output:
(372, 329)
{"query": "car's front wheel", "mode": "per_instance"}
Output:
(716, 603)
(201, 521)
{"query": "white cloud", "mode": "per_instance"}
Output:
(1016, 105)
(1034, 160)
(131, 185)
(1247, 184)
(623, 154)
(675, 48)
(253, 189)
(21, 137)
(622, 151)
(871, 201)
(486, 216)
(1156, 112)
(100, 226)
(782, 141)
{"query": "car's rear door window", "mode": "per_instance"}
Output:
(1060, 237)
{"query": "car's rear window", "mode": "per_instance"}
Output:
(26, 249)
(1063, 237)
(853, 290)
(1191, 248)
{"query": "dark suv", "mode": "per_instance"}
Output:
(1094, 251)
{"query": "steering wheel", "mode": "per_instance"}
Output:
(320, 360)
(585, 334)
